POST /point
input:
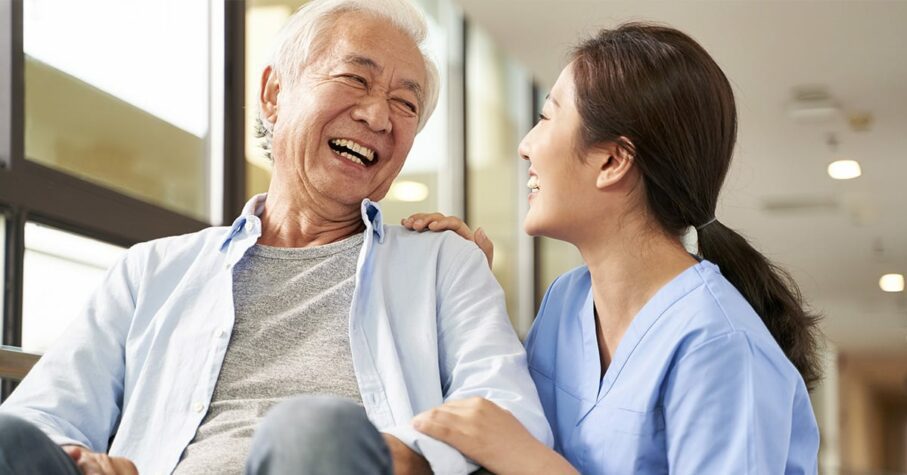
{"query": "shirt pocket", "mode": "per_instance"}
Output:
(638, 423)
(623, 440)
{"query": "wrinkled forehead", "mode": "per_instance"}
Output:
(369, 40)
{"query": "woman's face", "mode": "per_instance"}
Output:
(562, 193)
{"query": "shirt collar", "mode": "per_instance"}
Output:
(248, 221)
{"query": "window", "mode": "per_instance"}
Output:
(419, 187)
(263, 21)
(111, 100)
(61, 270)
(498, 111)
(116, 126)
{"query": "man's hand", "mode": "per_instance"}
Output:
(92, 463)
(406, 462)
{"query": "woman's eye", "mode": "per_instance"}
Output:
(542, 117)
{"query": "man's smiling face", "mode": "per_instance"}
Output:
(344, 127)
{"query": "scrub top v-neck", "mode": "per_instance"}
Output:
(696, 385)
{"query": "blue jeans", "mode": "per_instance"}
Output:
(24, 449)
(304, 435)
(318, 435)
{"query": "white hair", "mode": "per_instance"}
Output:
(297, 38)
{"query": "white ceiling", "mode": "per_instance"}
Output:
(853, 49)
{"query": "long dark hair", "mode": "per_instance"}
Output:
(658, 94)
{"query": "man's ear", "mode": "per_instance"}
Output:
(615, 160)
(267, 96)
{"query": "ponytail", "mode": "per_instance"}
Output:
(771, 291)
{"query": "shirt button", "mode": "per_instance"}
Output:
(222, 333)
(198, 407)
(250, 226)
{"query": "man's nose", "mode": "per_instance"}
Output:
(374, 111)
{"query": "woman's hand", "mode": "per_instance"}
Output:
(437, 222)
(491, 437)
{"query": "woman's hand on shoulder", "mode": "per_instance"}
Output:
(438, 222)
(490, 436)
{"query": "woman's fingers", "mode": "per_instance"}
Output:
(420, 221)
(484, 242)
(437, 222)
(451, 223)
(442, 424)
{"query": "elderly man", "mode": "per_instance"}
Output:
(306, 336)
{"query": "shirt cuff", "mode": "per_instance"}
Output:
(444, 459)
(55, 436)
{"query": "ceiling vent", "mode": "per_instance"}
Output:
(811, 104)
(800, 204)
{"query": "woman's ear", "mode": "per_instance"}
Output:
(267, 96)
(615, 160)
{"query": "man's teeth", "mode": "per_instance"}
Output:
(351, 158)
(366, 152)
(533, 183)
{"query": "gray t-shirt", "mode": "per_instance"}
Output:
(290, 337)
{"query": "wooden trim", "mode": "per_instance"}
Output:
(234, 109)
(11, 79)
(15, 363)
(12, 277)
(465, 38)
(57, 198)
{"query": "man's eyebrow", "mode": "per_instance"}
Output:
(415, 88)
(362, 61)
(369, 63)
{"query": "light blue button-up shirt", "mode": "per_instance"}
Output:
(697, 385)
(134, 373)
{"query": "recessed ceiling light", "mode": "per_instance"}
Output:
(892, 282)
(409, 191)
(844, 169)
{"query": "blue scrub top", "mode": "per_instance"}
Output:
(697, 385)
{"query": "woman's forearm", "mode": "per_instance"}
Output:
(537, 460)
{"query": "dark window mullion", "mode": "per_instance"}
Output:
(234, 108)
(11, 85)
(11, 153)
(14, 250)
(87, 208)
(464, 51)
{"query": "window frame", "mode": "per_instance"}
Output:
(33, 192)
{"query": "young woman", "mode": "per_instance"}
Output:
(647, 359)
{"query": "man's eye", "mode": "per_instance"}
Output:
(409, 106)
(542, 117)
(357, 79)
